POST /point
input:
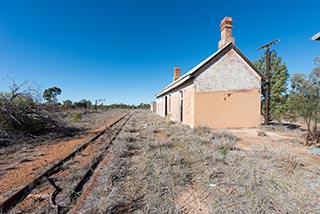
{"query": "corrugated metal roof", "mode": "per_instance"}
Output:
(316, 36)
(189, 74)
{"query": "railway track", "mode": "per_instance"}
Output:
(58, 188)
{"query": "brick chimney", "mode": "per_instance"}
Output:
(176, 73)
(226, 32)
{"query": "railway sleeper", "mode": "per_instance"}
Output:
(12, 201)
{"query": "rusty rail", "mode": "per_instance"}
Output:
(15, 199)
(77, 190)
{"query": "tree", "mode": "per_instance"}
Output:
(67, 104)
(85, 104)
(278, 85)
(143, 106)
(50, 94)
(304, 101)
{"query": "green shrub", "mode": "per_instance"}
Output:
(223, 152)
(76, 116)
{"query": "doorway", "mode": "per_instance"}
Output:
(165, 106)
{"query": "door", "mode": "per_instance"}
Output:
(165, 106)
(181, 106)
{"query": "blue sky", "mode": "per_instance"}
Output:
(125, 50)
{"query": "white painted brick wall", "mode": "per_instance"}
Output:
(231, 72)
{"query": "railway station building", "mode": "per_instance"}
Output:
(222, 91)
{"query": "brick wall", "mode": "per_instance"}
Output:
(175, 104)
(228, 109)
(153, 106)
(231, 72)
(227, 94)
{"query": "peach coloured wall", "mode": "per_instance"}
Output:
(175, 111)
(228, 109)
(153, 106)
(160, 106)
(223, 94)
(173, 105)
(188, 106)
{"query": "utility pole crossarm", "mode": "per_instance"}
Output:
(268, 45)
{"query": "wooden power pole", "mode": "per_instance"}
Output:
(267, 80)
(96, 103)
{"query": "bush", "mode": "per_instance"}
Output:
(221, 139)
(21, 112)
(304, 102)
(76, 116)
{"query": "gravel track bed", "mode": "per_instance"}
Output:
(45, 155)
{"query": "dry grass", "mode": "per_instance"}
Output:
(252, 182)
(261, 133)
(154, 160)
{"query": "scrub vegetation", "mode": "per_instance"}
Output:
(301, 103)
(158, 166)
(304, 101)
(21, 114)
(25, 118)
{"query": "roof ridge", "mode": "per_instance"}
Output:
(192, 70)
(189, 74)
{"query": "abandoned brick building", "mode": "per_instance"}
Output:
(223, 91)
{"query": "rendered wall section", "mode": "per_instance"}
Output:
(228, 109)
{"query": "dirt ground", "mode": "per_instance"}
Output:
(290, 141)
(159, 166)
(19, 164)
